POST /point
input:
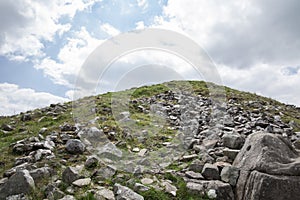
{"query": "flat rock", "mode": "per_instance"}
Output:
(82, 182)
(125, 193)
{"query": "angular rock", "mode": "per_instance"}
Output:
(104, 194)
(7, 127)
(270, 169)
(193, 175)
(223, 190)
(169, 188)
(82, 182)
(231, 153)
(233, 140)
(68, 197)
(70, 174)
(230, 175)
(196, 165)
(91, 162)
(125, 193)
(20, 182)
(210, 172)
(75, 146)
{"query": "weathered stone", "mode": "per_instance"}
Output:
(91, 162)
(230, 153)
(53, 192)
(169, 188)
(17, 197)
(68, 197)
(223, 190)
(67, 127)
(104, 194)
(41, 173)
(140, 187)
(196, 165)
(124, 193)
(233, 140)
(70, 174)
(193, 175)
(106, 172)
(75, 146)
(25, 117)
(210, 172)
(230, 175)
(20, 182)
(6, 127)
(146, 181)
(269, 169)
(82, 182)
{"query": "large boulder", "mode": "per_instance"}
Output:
(269, 169)
(20, 182)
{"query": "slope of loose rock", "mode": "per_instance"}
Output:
(188, 156)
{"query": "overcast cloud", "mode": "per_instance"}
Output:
(254, 44)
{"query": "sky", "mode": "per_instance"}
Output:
(254, 45)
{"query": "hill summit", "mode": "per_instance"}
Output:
(184, 140)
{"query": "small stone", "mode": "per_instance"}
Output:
(140, 187)
(196, 165)
(212, 194)
(91, 162)
(230, 153)
(136, 150)
(70, 174)
(125, 193)
(146, 181)
(233, 140)
(188, 157)
(210, 172)
(142, 152)
(82, 182)
(169, 188)
(6, 127)
(104, 194)
(230, 174)
(193, 175)
(75, 146)
(68, 197)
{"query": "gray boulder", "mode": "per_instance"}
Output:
(233, 140)
(210, 172)
(75, 146)
(70, 174)
(269, 169)
(20, 182)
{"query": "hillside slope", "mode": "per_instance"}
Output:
(154, 142)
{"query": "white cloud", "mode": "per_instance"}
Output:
(14, 99)
(264, 79)
(109, 29)
(25, 24)
(251, 41)
(70, 58)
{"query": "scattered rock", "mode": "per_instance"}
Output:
(104, 194)
(125, 193)
(233, 140)
(91, 162)
(82, 182)
(75, 146)
(70, 174)
(223, 190)
(20, 182)
(230, 175)
(210, 172)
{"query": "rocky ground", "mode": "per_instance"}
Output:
(162, 144)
